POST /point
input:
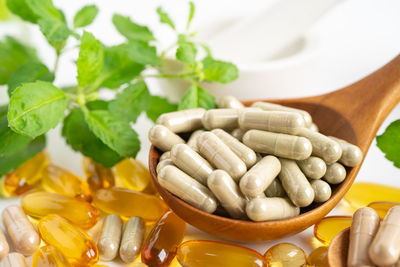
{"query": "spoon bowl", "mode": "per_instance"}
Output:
(353, 113)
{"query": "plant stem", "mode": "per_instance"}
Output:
(56, 62)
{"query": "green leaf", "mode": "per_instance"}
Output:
(186, 51)
(55, 31)
(191, 13)
(10, 162)
(90, 60)
(35, 108)
(85, 16)
(131, 102)
(141, 52)
(97, 104)
(164, 18)
(197, 97)
(219, 71)
(21, 9)
(159, 105)
(389, 143)
(78, 135)
(45, 9)
(29, 72)
(131, 30)
(115, 132)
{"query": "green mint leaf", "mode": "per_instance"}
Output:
(131, 30)
(206, 49)
(78, 135)
(219, 71)
(97, 104)
(191, 14)
(85, 16)
(142, 53)
(197, 97)
(389, 143)
(35, 108)
(159, 105)
(21, 9)
(115, 132)
(131, 102)
(45, 9)
(164, 18)
(55, 31)
(186, 51)
(29, 72)
(90, 60)
(10, 162)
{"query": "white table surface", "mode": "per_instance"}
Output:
(355, 38)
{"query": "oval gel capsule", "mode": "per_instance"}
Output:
(229, 102)
(275, 208)
(275, 189)
(351, 155)
(226, 119)
(335, 173)
(132, 239)
(182, 121)
(313, 167)
(97, 176)
(110, 237)
(161, 137)
(322, 190)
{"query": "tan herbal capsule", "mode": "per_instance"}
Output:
(275, 107)
(238, 133)
(182, 121)
(363, 228)
(322, 146)
(228, 102)
(322, 190)
(275, 208)
(14, 260)
(260, 176)
(313, 127)
(4, 247)
(191, 162)
(132, 239)
(272, 121)
(295, 183)
(351, 155)
(187, 188)
(23, 236)
(161, 164)
(335, 173)
(161, 137)
(275, 189)
(228, 193)
(110, 237)
(165, 155)
(243, 152)
(280, 145)
(220, 155)
(313, 167)
(192, 142)
(385, 248)
(226, 119)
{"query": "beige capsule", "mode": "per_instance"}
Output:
(313, 167)
(192, 142)
(181, 121)
(220, 155)
(246, 154)
(228, 193)
(274, 208)
(275, 189)
(228, 102)
(260, 176)
(191, 162)
(295, 183)
(238, 133)
(272, 121)
(313, 127)
(385, 247)
(363, 228)
(223, 118)
(161, 137)
(280, 145)
(161, 164)
(322, 190)
(14, 260)
(322, 146)
(182, 185)
(335, 173)
(21, 232)
(110, 237)
(4, 247)
(132, 239)
(352, 154)
(165, 155)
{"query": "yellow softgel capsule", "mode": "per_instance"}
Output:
(96, 175)
(128, 203)
(318, 257)
(49, 256)
(74, 244)
(78, 212)
(133, 174)
(326, 229)
(382, 207)
(285, 254)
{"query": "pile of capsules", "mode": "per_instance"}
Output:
(237, 161)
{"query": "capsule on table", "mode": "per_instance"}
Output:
(133, 174)
(110, 237)
(75, 244)
(280, 145)
(322, 190)
(327, 228)
(385, 247)
(200, 253)
(363, 228)
(274, 208)
(4, 247)
(96, 175)
(260, 176)
(352, 154)
(220, 155)
(132, 239)
(228, 193)
(128, 203)
(161, 137)
(335, 173)
(275, 189)
(313, 167)
(49, 256)
(14, 260)
(245, 153)
(182, 121)
(318, 257)
(238, 133)
(160, 246)
(78, 212)
(163, 163)
(21, 232)
(192, 142)
(285, 254)
(182, 185)
(382, 207)
(226, 119)
(191, 162)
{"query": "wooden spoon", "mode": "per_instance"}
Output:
(338, 249)
(353, 113)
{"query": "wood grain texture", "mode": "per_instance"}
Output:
(338, 249)
(353, 113)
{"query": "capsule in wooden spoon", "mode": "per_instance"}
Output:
(352, 155)
(161, 137)
(275, 189)
(182, 121)
(275, 208)
(335, 173)
(226, 119)
(313, 167)
(228, 102)
(322, 190)
(192, 142)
